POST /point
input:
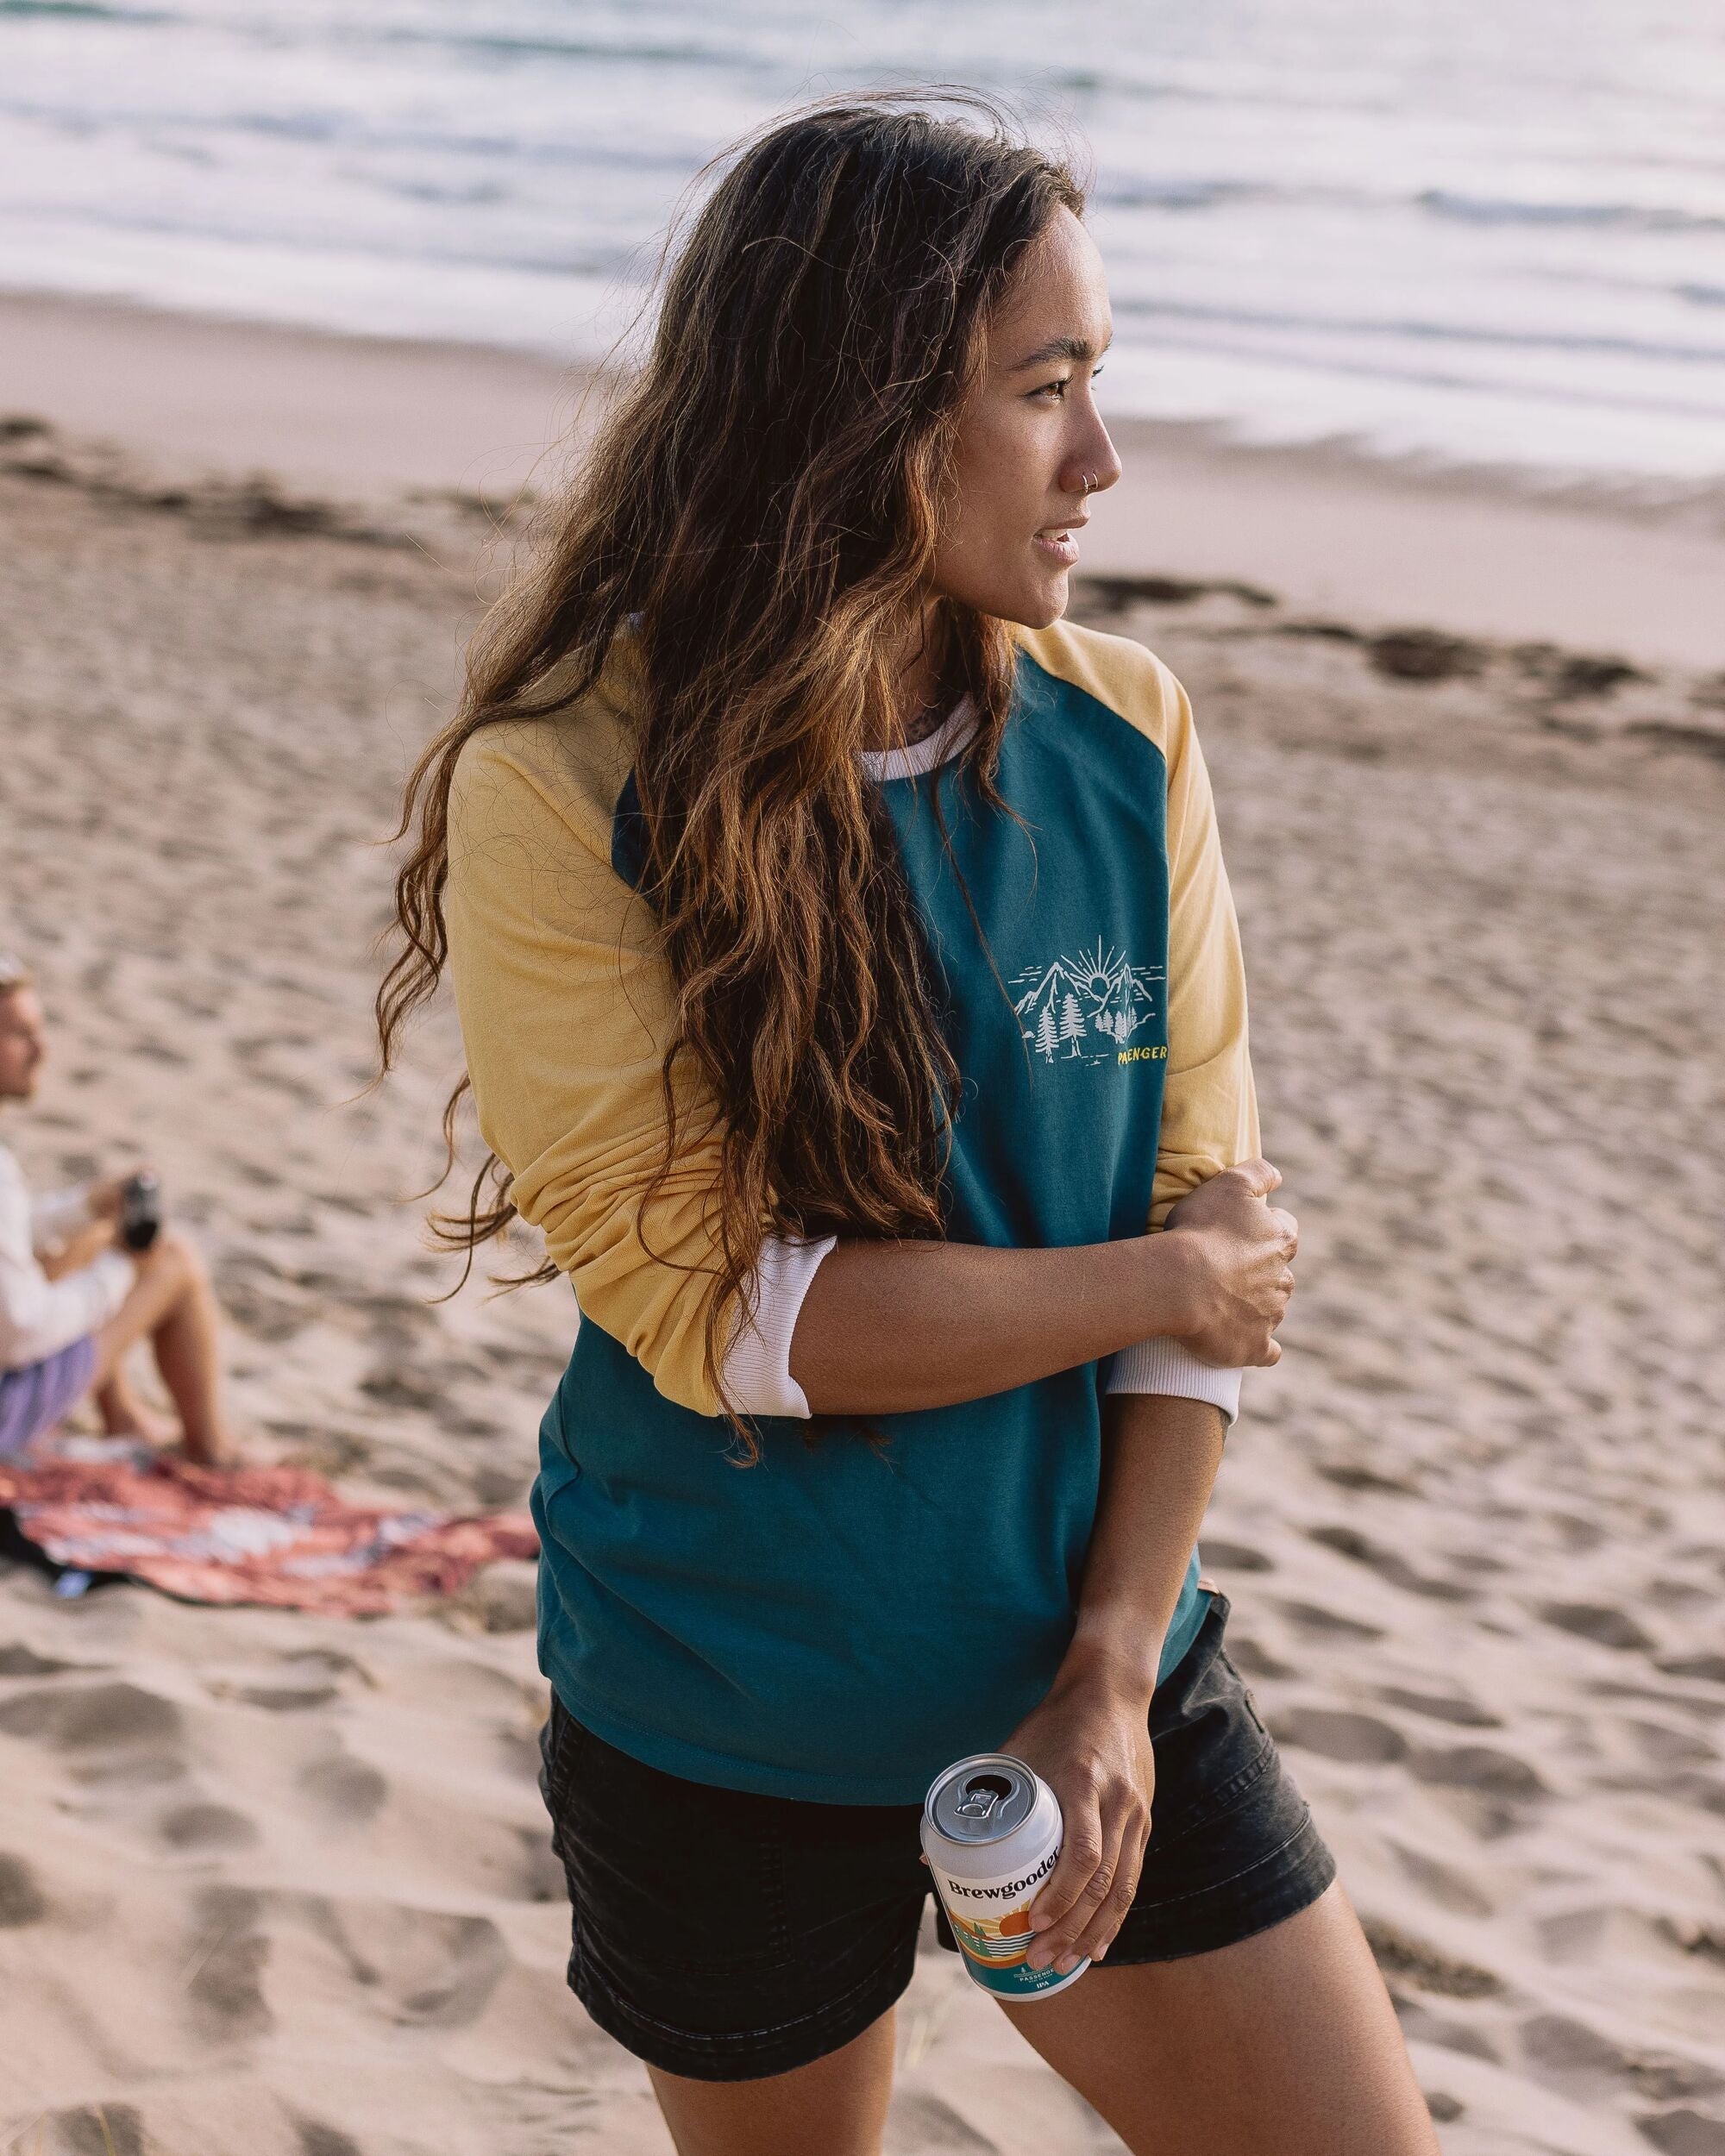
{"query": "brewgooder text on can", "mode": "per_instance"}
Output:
(991, 1831)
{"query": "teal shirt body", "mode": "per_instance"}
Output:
(841, 1620)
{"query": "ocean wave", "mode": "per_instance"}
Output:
(1602, 215)
(1410, 371)
(591, 262)
(1367, 196)
(1081, 82)
(84, 11)
(1414, 329)
(502, 45)
(1301, 204)
(1180, 194)
(573, 49)
(345, 131)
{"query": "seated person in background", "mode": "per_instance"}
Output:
(73, 1300)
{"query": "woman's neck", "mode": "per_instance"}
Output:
(921, 701)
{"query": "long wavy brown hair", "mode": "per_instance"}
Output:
(759, 516)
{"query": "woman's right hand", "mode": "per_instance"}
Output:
(1240, 1265)
(81, 1248)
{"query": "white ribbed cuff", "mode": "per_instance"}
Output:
(1169, 1367)
(757, 1364)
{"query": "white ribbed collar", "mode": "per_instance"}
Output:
(947, 741)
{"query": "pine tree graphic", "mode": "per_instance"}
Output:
(1045, 1034)
(1072, 1023)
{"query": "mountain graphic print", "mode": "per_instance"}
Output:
(1087, 1008)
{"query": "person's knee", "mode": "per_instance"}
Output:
(174, 1256)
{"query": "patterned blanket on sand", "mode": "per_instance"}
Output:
(276, 1535)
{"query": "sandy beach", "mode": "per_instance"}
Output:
(278, 1885)
(1639, 572)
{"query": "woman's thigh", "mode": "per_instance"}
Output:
(1286, 2041)
(837, 2105)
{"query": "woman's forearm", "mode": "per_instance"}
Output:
(1159, 1461)
(886, 1327)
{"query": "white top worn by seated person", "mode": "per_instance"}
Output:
(757, 1364)
(39, 1316)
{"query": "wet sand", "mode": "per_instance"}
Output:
(1329, 530)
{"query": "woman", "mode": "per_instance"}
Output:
(74, 1301)
(849, 983)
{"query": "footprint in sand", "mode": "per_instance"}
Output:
(1669, 1747)
(504, 1596)
(391, 1386)
(92, 1717)
(920, 2121)
(1441, 1882)
(1312, 1617)
(1398, 1954)
(18, 1660)
(317, 2140)
(1461, 1712)
(94, 2129)
(1425, 2027)
(328, 1662)
(286, 1699)
(205, 1829)
(541, 1877)
(1683, 2133)
(1252, 1660)
(520, 1752)
(472, 1957)
(1598, 1621)
(1479, 1768)
(1571, 2052)
(1236, 1556)
(265, 1316)
(1333, 1733)
(1690, 1937)
(345, 1789)
(495, 1484)
(1708, 1667)
(1389, 1564)
(225, 1961)
(423, 1966)
(1616, 1934)
(397, 1323)
(21, 1900)
(1345, 1476)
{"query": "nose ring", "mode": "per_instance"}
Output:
(1090, 482)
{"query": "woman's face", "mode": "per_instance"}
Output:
(1030, 437)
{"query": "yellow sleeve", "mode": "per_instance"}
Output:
(564, 1008)
(1209, 1111)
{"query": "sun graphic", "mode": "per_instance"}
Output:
(1097, 969)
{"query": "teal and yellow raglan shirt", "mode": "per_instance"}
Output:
(843, 1619)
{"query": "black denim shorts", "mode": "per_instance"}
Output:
(728, 1936)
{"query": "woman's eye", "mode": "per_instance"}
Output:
(1055, 390)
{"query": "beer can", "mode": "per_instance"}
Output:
(991, 1831)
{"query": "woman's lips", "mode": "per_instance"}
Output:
(1061, 546)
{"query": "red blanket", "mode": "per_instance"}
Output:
(279, 1535)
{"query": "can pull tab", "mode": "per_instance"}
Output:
(982, 1794)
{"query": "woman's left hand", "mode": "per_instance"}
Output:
(1090, 1740)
